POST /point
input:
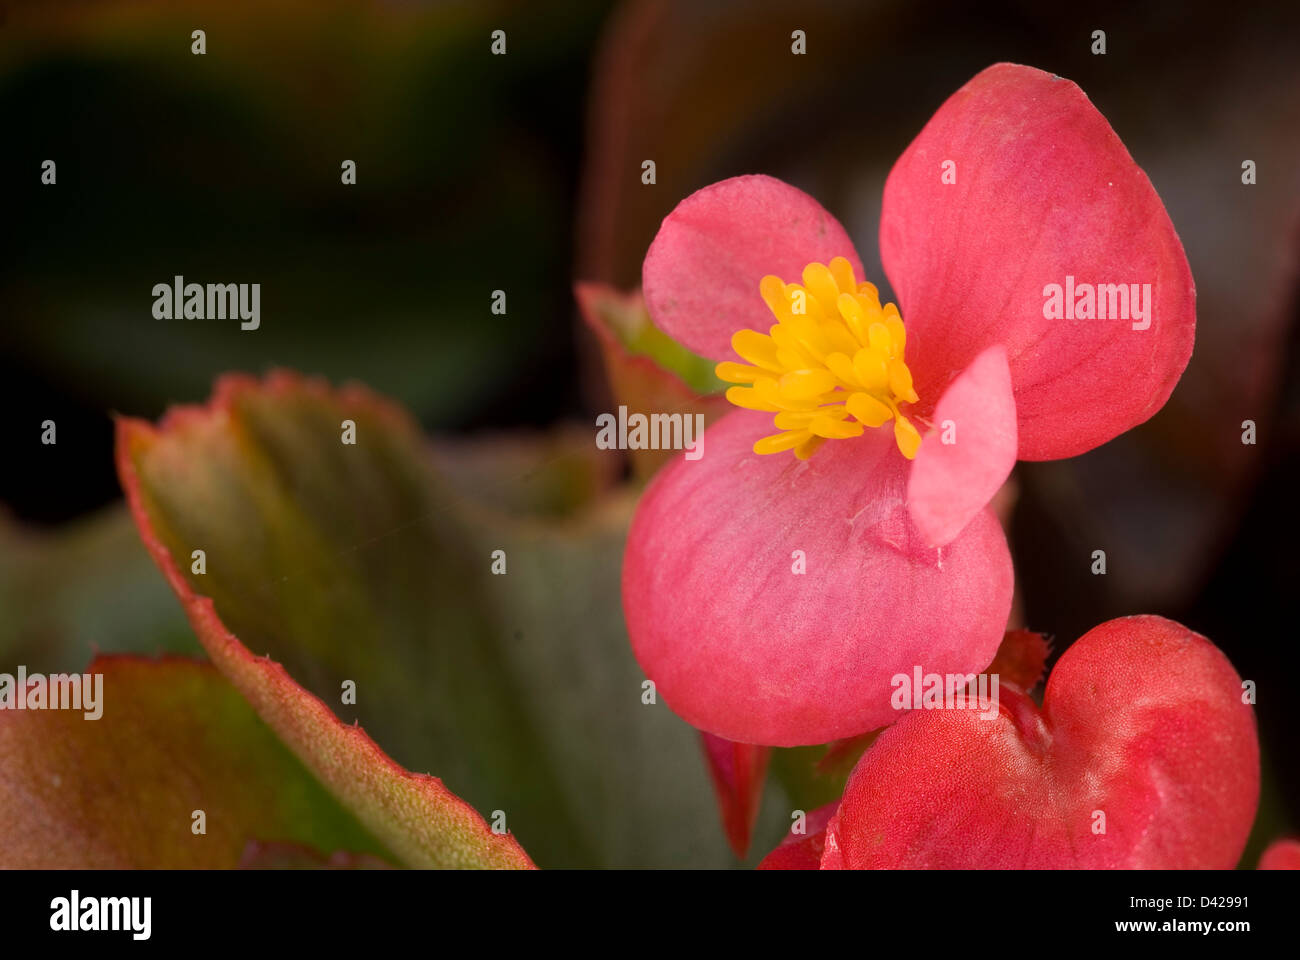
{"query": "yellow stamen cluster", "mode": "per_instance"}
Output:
(831, 365)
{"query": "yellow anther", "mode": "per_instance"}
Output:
(807, 384)
(854, 315)
(756, 348)
(840, 365)
(832, 428)
(738, 372)
(807, 447)
(878, 339)
(748, 398)
(820, 282)
(868, 409)
(900, 381)
(905, 435)
(781, 441)
(872, 370)
(831, 365)
(897, 333)
(842, 271)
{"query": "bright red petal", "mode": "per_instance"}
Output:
(802, 851)
(970, 451)
(742, 645)
(738, 771)
(702, 272)
(1281, 855)
(1044, 190)
(1144, 756)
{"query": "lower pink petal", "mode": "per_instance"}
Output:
(968, 453)
(742, 646)
(702, 272)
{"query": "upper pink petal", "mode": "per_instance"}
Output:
(701, 274)
(741, 645)
(1044, 189)
(969, 452)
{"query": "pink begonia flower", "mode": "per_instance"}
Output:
(1015, 188)
(1144, 755)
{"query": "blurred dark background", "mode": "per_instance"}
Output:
(226, 168)
(522, 172)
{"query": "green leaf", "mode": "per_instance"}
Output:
(324, 554)
(358, 562)
(621, 321)
(121, 791)
(87, 588)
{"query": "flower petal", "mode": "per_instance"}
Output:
(738, 772)
(969, 453)
(743, 645)
(1281, 855)
(702, 272)
(1143, 757)
(802, 851)
(1044, 190)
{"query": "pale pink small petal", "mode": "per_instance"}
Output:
(969, 452)
(702, 272)
(743, 645)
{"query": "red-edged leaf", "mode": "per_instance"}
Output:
(738, 771)
(259, 855)
(251, 477)
(120, 791)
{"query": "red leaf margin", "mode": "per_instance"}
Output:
(398, 806)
